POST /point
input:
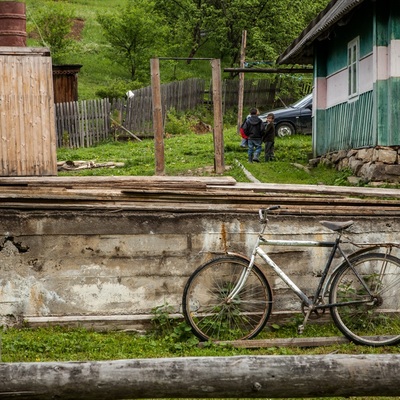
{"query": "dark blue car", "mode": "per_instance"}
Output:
(293, 119)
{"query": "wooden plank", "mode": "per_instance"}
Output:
(286, 342)
(321, 189)
(24, 51)
(115, 180)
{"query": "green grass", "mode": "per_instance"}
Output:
(193, 154)
(78, 344)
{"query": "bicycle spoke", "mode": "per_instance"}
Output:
(207, 309)
(376, 321)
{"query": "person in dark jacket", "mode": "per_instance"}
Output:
(253, 128)
(269, 138)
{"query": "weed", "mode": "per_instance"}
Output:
(176, 124)
(176, 333)
(161, 321)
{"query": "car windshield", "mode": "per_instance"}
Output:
(302, 102)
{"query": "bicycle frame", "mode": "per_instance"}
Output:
(323, 284)
(305, 243)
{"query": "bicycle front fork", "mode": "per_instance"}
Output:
(242, 279)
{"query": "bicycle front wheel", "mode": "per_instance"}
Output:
(368, 305)
(211, 316)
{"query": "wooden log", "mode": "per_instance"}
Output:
(205, 377)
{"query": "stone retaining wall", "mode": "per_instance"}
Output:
(373, 164)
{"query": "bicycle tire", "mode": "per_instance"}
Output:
(208, 314)
(375, 322)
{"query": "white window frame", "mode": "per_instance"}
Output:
(353, 61)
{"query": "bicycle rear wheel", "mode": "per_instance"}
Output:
(209, 314)
(372, 320)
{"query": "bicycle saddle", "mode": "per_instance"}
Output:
(336, 226)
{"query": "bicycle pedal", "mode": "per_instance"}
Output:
(300, 329)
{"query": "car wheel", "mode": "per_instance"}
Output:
(285, 129)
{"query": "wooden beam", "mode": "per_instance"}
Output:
(241, 81)
(287, 342)
(327, 375)
(271, 70)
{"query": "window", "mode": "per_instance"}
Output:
(352, 67)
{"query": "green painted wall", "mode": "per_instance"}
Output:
(345, 126)
(361, 26)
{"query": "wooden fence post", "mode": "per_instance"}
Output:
(157, 117)
(219, 164)
(338, 375)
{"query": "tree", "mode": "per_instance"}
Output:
(54, 24)
(135, 34)
(217, 25)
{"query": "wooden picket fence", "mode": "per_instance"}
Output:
(82, 123)
(85, 123)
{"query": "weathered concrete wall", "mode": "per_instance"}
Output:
(114, 267)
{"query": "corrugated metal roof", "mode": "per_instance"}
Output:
(301, 49)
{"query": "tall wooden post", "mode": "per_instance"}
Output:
(157, 117)
(219, 165)
(241, 81)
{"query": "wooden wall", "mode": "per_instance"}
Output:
(27, 116)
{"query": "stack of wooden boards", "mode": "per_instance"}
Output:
(192, 194)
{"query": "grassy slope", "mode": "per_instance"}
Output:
(97, 70)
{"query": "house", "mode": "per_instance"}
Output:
(354, 46)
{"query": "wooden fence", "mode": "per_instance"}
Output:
(135, 114)
(259, 94)
(84, 123)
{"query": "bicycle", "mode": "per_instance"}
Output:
(230, 298)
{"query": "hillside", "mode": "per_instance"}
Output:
(102, 69)
(89, 47)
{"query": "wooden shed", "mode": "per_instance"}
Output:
(65, 81)
(27, 119)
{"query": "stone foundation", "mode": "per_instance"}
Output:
(373, 164)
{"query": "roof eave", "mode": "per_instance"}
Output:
(301, 50)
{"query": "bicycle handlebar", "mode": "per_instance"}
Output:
(264, 211)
